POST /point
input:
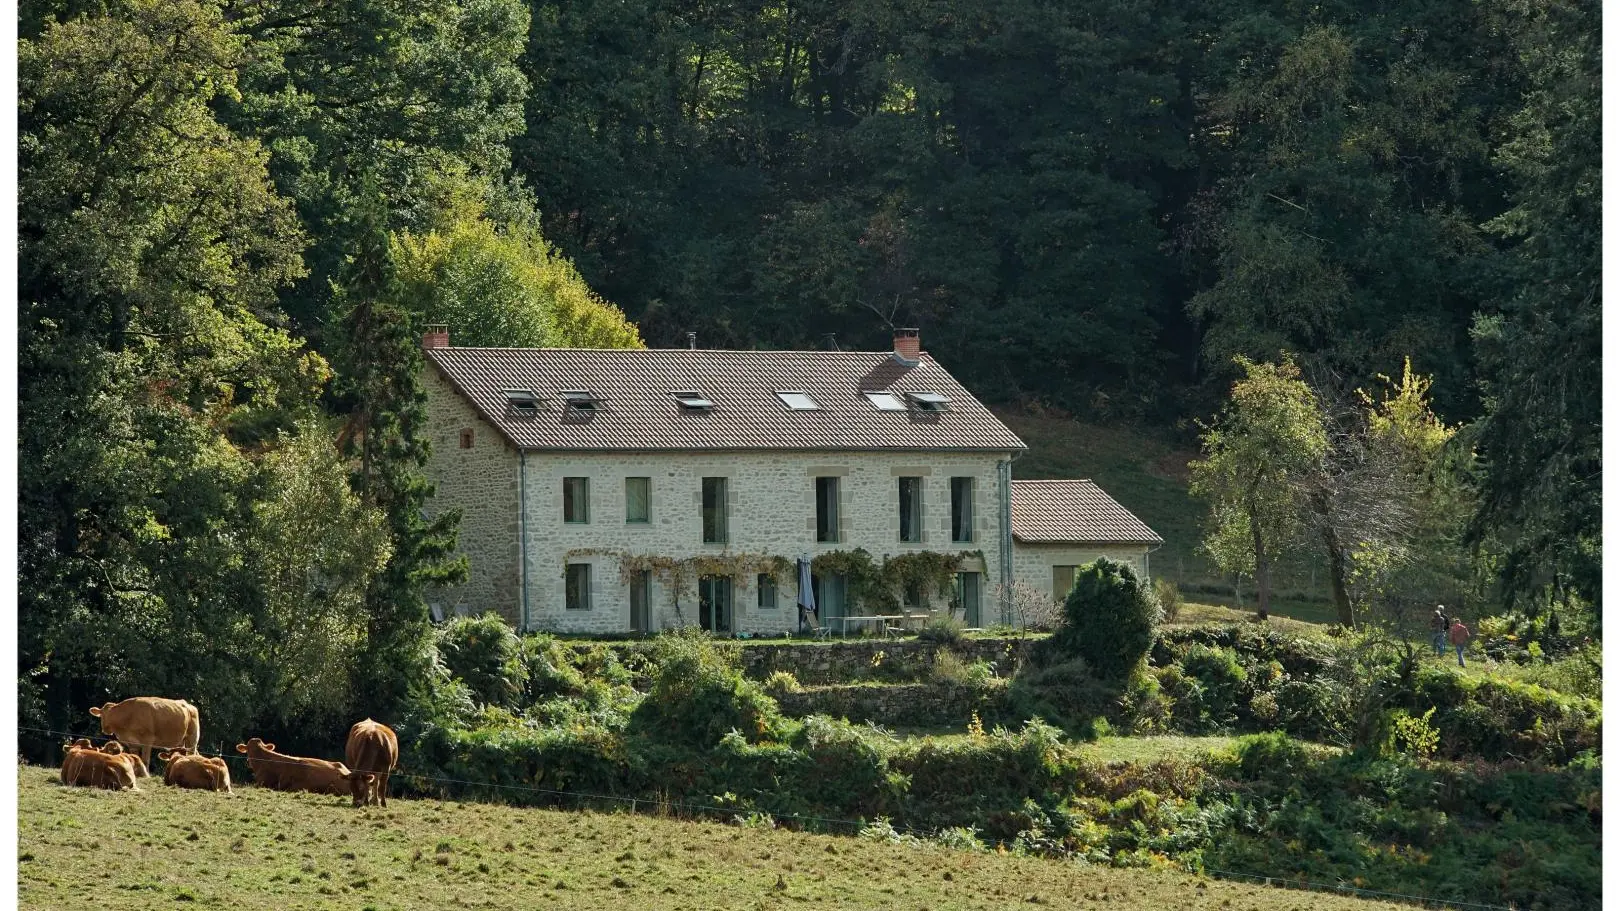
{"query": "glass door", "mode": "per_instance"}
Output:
(967, 594)
(640, 595)
(714, 604)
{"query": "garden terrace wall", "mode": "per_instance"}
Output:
(899, 705)
(817, 664)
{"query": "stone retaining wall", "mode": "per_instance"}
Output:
(903, 705)
(875, 660)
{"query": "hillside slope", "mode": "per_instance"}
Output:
(260, 849)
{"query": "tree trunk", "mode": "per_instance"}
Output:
(1341, 594)
(1262, 568)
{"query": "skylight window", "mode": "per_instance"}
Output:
(693, 401)
(929, 401)
(798, 401)
(885, 401)
(522, 399)
(580, 400)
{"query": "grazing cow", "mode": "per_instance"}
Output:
(151, 721)
(281, 772)
(372, 747)
(191, 770)
(92, 768)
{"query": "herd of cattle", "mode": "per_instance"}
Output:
(148, 722)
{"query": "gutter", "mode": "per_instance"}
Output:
(1004, 472)
(523, 532)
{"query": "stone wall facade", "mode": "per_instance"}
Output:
(907, 705)
(1033, 563)
(771, 510)
(482, 482)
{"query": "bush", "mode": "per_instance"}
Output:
(551, 674)
(699, 695)
(1274, 755)
(782, 682)
(946, 631)
(1169, 599)
(949, 667)
(1221, 678)
(1067, 694)
(1109, 620)
(484, 653)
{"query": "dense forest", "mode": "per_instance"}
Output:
(235, 218)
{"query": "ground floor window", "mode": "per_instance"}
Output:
(1062, 582)
(714, 603)
(640, 596)
(829, 592)
(767, 591)
(577, 587)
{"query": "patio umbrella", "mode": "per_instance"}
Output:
(807, 595)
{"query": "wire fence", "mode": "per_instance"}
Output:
(638, 804)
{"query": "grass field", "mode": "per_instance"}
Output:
(166, 848)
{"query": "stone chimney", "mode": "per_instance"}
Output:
(436, 336)
(907, 345)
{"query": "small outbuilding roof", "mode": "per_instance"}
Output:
(582, 399)
(1073, 512)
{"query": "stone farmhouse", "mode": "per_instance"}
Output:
(635, 490)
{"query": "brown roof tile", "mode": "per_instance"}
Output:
(1073, 512)
(638, 410)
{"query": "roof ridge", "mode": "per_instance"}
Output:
(1052, 480)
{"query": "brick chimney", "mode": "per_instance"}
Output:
(907, 345)
(436, 336)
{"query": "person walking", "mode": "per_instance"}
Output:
(1459, 636)
(1438, 625)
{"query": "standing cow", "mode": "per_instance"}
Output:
(372, 747)
(151, 721)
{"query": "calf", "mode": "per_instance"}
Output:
(281, 772)
(372, 747)
(190, 770)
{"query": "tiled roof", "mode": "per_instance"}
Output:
(638, 410)
(1073, 512)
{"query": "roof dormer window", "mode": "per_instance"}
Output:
(885, 401)
(580, 400)
(798, 401)
(693, 401)
(523, 401)
(929, 401)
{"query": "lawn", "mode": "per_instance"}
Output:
(166, 848)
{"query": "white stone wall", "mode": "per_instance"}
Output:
(1032, 563)
(771, 511)
(482, 483)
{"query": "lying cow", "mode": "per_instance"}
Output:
(146, 722)
(372, 747)
(281, 772)
(191, 770)
(113, 769)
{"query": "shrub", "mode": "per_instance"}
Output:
(781, 682)
(949, 667)
(946, 631)
(485, 653)
(699, 695)
(1109, 620)
(1067, 694)
(551, 674)
(1221, 678)
(1273, 755)
(1144, 706)
(1169, 599)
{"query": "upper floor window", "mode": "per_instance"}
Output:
(798, 401)
(911, 490)
(466, 438)
(638, 500)
(576, 499)
(961, 509)
(826, 509)
(714, 510)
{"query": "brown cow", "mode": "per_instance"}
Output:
(192, 770)
(151, 721)
(282, 772)
(372, 747)
(92, 768)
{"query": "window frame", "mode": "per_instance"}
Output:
(1063, 596)
(913, 516)
(809, 404)
(828, 495)
(962, 509)
(720, 510)
(766, 583)
(577, 584)
(646, 502)
(581, 500)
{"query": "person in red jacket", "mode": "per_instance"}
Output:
(1459, 637)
